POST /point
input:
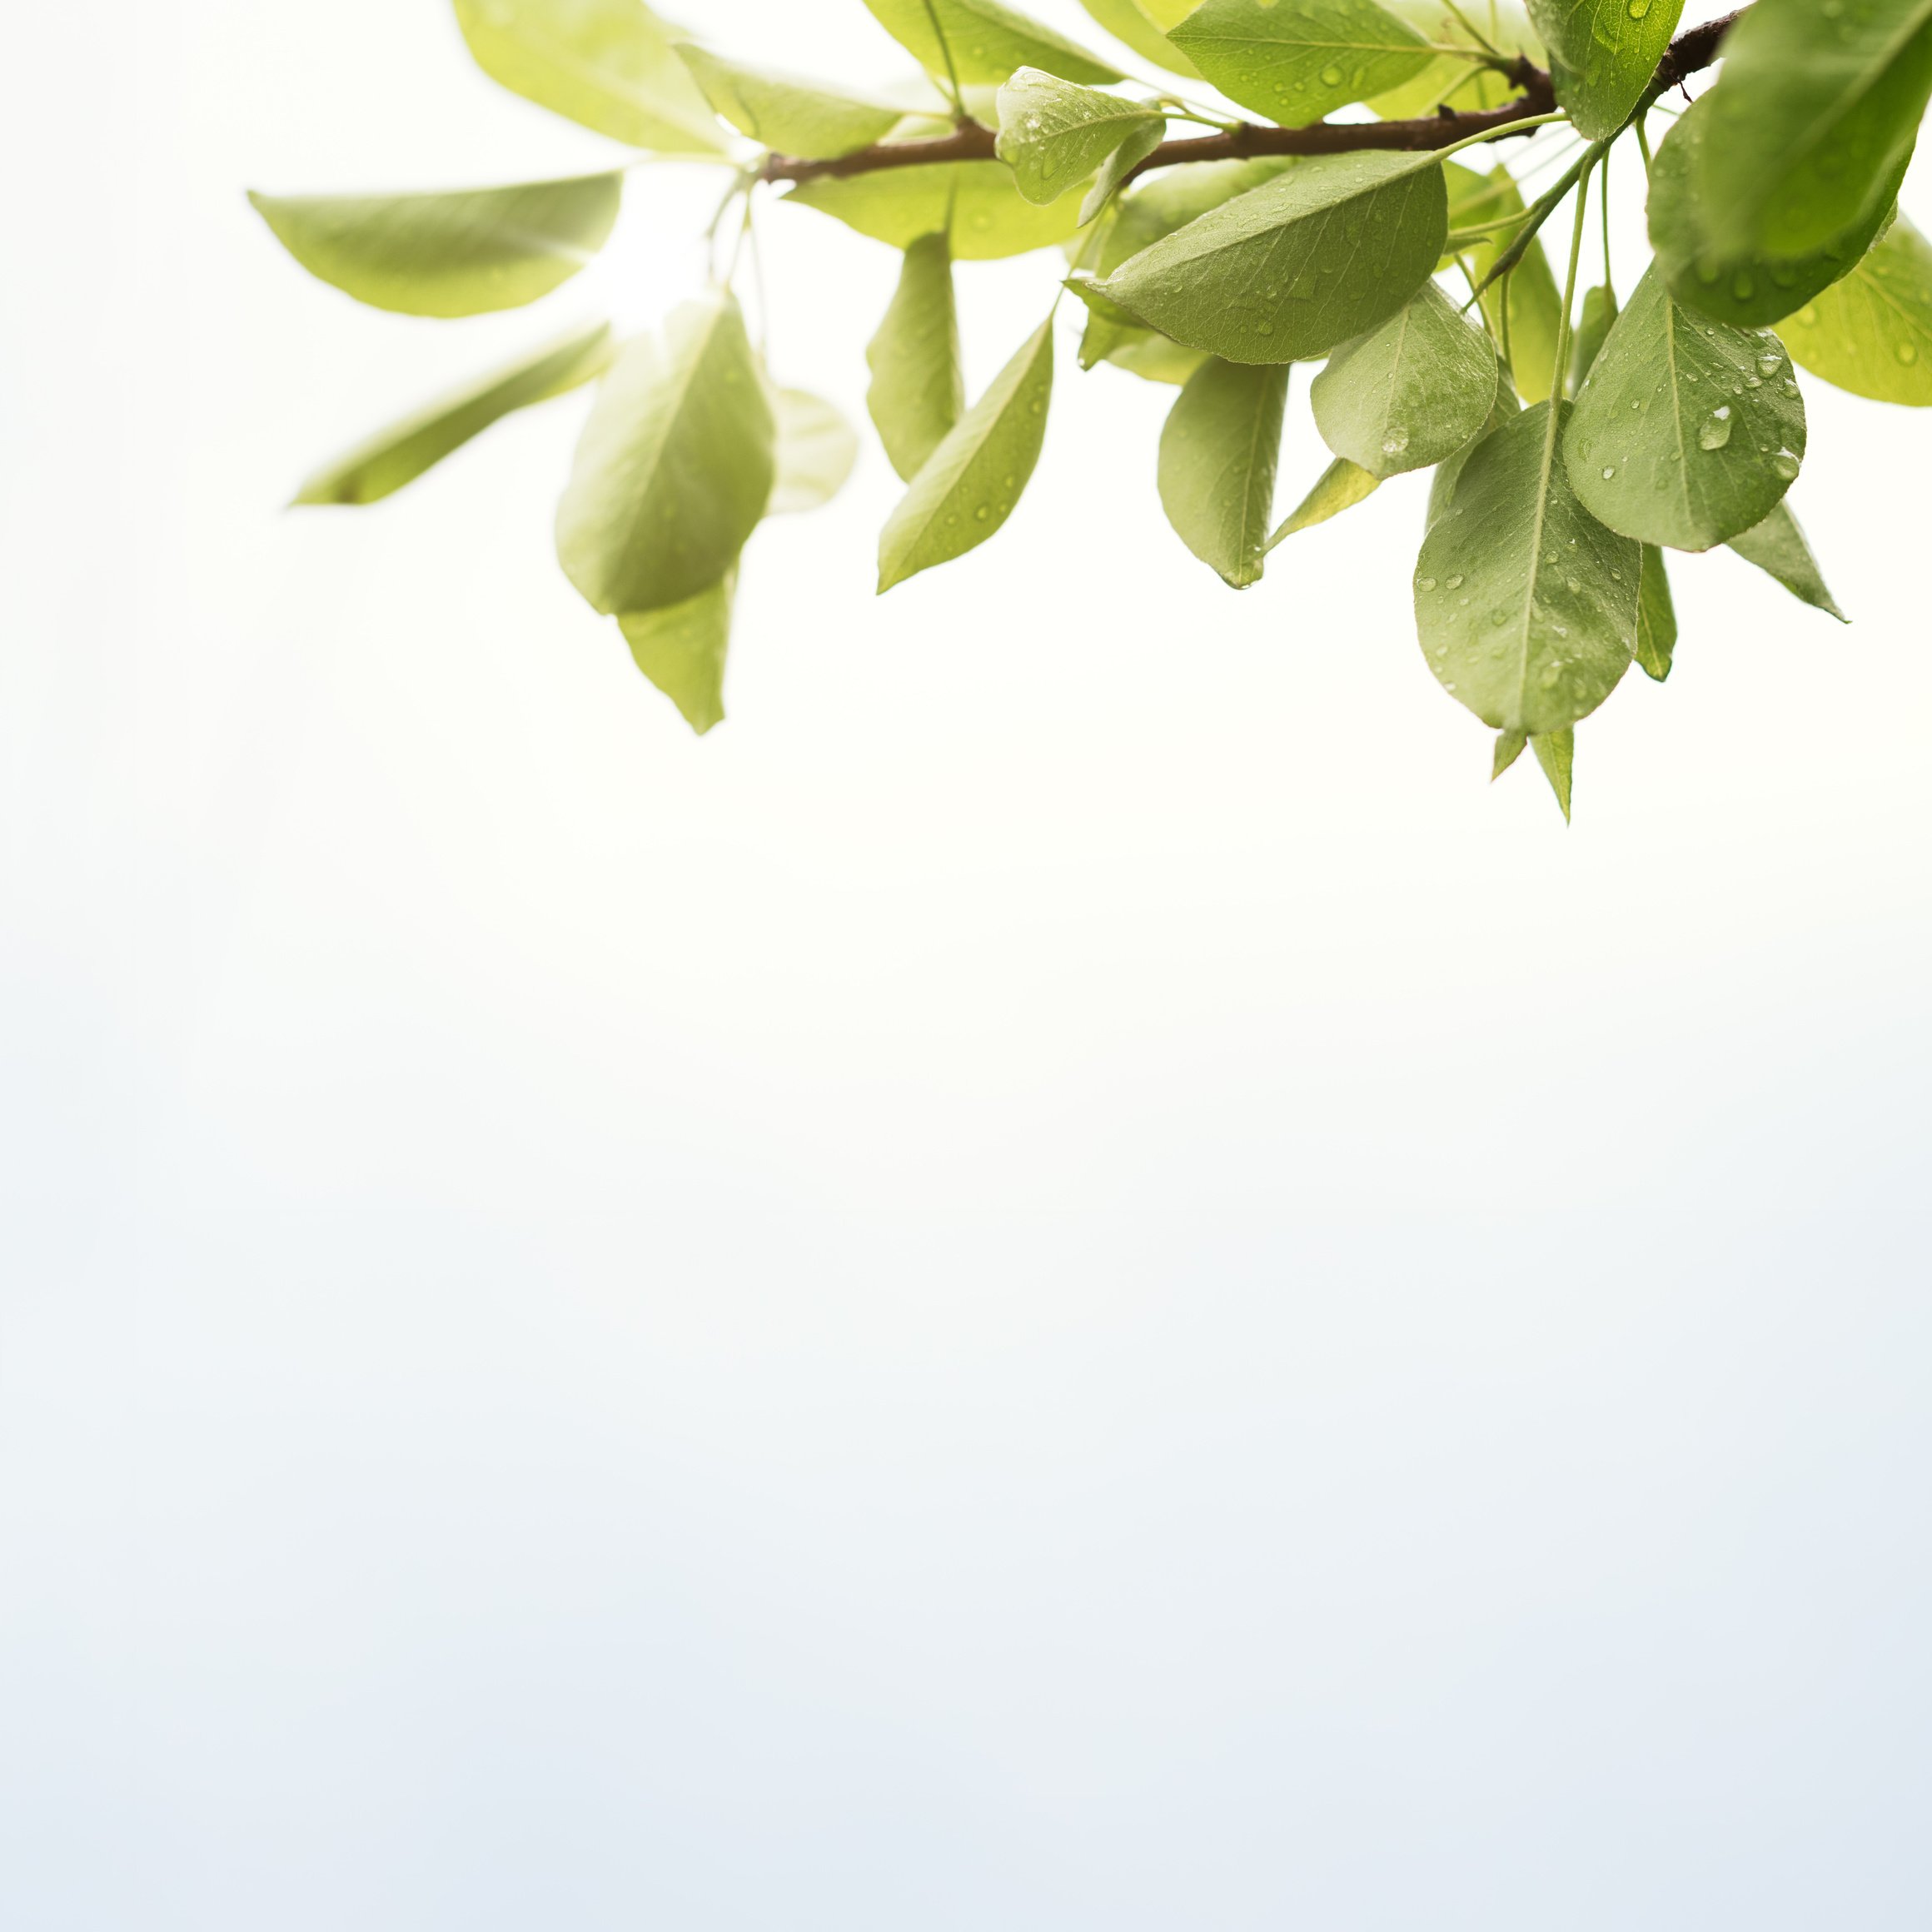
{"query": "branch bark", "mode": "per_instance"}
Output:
(1688, 54)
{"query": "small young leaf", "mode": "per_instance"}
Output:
(1748, 291)
(918, 392)
(1341, 486)
(1509, 748)
(988, 216)
(1449, 471)
(1218, 454)
(1052, 135)
(1556, 753)
(681, 649)
(1656, 617)
(400, 453)
(1528, 293)
(1593, 327)
(1409, 393)
(1526, 604)
(1285, 271)
(1777, 546)
(607, 64)
(968, 486)
(1816, 108)
(1871, 333)
(1688, 431)
(816, 450)
(675, 467)
(986, 41)
(459, 254)
(1295, 64)
(1129, 24)
(789, 115)
(1602, 55)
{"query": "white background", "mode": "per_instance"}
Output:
(1065, 1278)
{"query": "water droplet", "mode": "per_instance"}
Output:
(1425, 583)
(1639, 8)
(1608, 470)
(983, 512)
(1716, 432)
(1332, 76)
(1456, 582)
(1395, 442)
(1770, 362)
(1907, 352)
(1786, 465)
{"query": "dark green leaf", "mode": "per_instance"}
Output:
(987, 40)
(1777, 546)
(990, 217)
(918, 392)
(1218, 454)
(1298, 62)
(681, 649)
(789, 115)
(1871, 333)
(1656, 618)
(1602, 55)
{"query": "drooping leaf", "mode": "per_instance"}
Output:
(1118, 169)
(1341, 486)
(681, 649)
(1527, 299)
(1286, 270)
(1593, 328)
(1141, 351)
(986, 40)
(1449, 471)
(1656, 618)
(1298, 62)
(1133, 26)
(1556, 753)
(1054, 135)
(675, 467)
(1449, 81)
(816, 449)
(990, 217)
(1871, 333)
(1748, 291)
(968, 486)
(1687, 430)
(918, 392)
(607, 64)
(1818, 103)
(1509, 748)
(1777, 546)
(457, 254)
(1410, 393)
(789, 115)
(1602, 55)
(401, 451)
(1526, 604)
(1218, 455)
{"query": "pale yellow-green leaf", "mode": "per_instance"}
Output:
(918, 391)
(1053, 134)
(681, 649)
(1532, 305)
(1298, 62)
(816, 449)
(1449, 81)
(791, 115)
(986, 41)
(1871, 333)
(1341, 486)
(1556, 753)
(989, 217)
(1131, 24)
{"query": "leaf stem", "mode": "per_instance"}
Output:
(946, 51)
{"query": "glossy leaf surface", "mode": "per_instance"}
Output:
(682, 648)
(1219, 451)
(1871, 333)
(1298, 62)
(1053, 134)
(986, 40)
(1777, 546)
(789, 115)
(990, 217)
(918, 392)
(1602, 54)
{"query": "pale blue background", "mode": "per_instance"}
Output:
(1065, 1279)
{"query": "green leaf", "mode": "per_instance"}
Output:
(1409, 393)
(1054, 135)
(1602, 55)
(816, 449)
(1218, 455)
(1592, 329)
(789, 116)
(1298, 62)
(1687, 430)
(918, 392)
(1341, 486)
(1525, 604)
(1509, 748)
(1449, 81)
(607, 64)
(681, 649)
(1154, 208)
(675, 467)
(1777, 546)
(1118, 167)
(398, 454)
(1132, 27)
(1817, 106)
(968, 486)
(1656, 617)
(459, 254)
(1143, 352)
(1285, 271)
(1556, 753)
(989, 217)
(1747, 290)
(1449, 471)
(986, 41)
(1530, 291)
(1871, 333)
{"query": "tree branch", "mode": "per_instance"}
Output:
(1687, 54)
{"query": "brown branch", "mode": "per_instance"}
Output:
(969, 141)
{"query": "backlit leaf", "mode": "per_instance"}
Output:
(1656, 618)
(1602, 55)
(1053, 134)
(458, 254)
(990, 217)
(987, 40)
(1688, 431)
(1286, 270)
(675, 467)
(1341, 486)
(1526, 604)
(1777, 546)
(1156, 206)
(1218, 455)
(607, 64)
(789, 116)
(1447, 80)
(1295, 63)
(1509, 748)
(969, 484)
(1133, 26)
(816, 449)
(1529, 293)
(1556, 753)
(1408, 393)
(918, 392)
(1871, 333)
(681, 649)
(400, 452)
